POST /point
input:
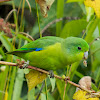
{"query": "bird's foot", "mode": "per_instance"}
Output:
(51, 73)
(26, 64)
(22, 64)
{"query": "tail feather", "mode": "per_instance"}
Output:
(13, 52)
(17, 53)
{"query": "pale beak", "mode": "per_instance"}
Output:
(85, 55)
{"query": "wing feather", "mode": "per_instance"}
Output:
(37, 45)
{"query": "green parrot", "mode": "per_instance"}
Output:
(52, 53)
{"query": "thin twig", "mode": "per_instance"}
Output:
(19, 8)
(58, 20)
(40, 90)
(64, 90)
(8, 63)
(38, 19)
(68, 75)
(9, 14)
(29, 5)
(27, 35)
(46, 72)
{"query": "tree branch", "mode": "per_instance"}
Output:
(46, 72)
(58, 20)
(8, 63)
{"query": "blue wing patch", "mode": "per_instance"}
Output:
(38, 49)
(32, 49)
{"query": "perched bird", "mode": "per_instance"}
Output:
(52, 53)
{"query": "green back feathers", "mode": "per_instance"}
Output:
(43, 42)
(39, 43)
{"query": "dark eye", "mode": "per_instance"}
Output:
(79, 48)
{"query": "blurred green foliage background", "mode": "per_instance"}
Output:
(77, 20)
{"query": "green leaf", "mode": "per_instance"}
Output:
(3, 80)
(78, 74)
(73, 28)
(95, 53)
(44, 21)
(99, 27)
(2, 53)
(24, 37)
(94, 87)
(26, 71)
(90, 30)
(95, 46)
(60, 10)
(60, 87)
(11, 86)
(31, 94)
(6, 42)
(61, 84)
(18, 84)
(43, 96)
(17, 3)
(98, 75)
(82, 7)
(68, 1)
(52, 80)
(90, 12)
(74, 67)
(50, 97)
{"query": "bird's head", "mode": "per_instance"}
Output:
(75, 49)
